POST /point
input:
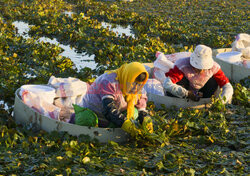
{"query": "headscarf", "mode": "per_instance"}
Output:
(126, 76)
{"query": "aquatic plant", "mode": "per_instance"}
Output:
(208, 141)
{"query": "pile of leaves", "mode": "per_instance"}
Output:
(208, 141)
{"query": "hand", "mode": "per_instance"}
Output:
(147, 124)
(65, 113)
(130, 128)
(195, 96)
(146, 121)
(141, 116)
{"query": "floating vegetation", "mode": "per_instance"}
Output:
(209, 141)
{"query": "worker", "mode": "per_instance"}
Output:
(197, 76)
(118, 91)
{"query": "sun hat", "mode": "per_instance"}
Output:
(202, 58)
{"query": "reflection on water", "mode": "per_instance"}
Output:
(80, 60)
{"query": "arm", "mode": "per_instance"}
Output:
(119, 119)
(141, 106)
(172, 77)
(223, 82)
(111, 112)
(227, 91)
(142, 102)
(175, 74)
(175, 89)
(143, 115)
(109, 91)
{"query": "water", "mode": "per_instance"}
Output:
(5, 105)
(68, 13)
(80, 60)
(119, 29)
(23, 28)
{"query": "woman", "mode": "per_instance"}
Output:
(197, 76)
(117, 91)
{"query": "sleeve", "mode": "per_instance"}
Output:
(141, 106)
(142, 102)
(175, 89)
(175, 74)
(221, 78)
(111, 112)
(107, 89)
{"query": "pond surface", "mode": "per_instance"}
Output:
(119, 30)
(4, 104)
(80, 60)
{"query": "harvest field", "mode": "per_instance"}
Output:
(211, 141)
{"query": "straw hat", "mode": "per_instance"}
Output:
(201, 58)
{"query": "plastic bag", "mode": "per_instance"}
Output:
(68, 87)
(85, 116)
(45, 92)
(242, 44)
(164, 63)
(40, 105)
(69, 91)
(149, 69)
(68, 101)
(154, 86)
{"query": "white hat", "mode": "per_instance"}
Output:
(202, 58)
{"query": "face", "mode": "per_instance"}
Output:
(199, 71)
(135, 87)
(138, 83)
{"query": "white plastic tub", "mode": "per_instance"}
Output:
(232, 71)
(231, 57)
(23, 114)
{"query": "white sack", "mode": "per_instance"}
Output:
(242, 44)
(164, 63)
(68, 87)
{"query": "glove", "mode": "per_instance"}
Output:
(146, 121)
(147, 124)
(195, 96)
(112, 113)
(174, 89)
(130, 128)
(227, 91)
